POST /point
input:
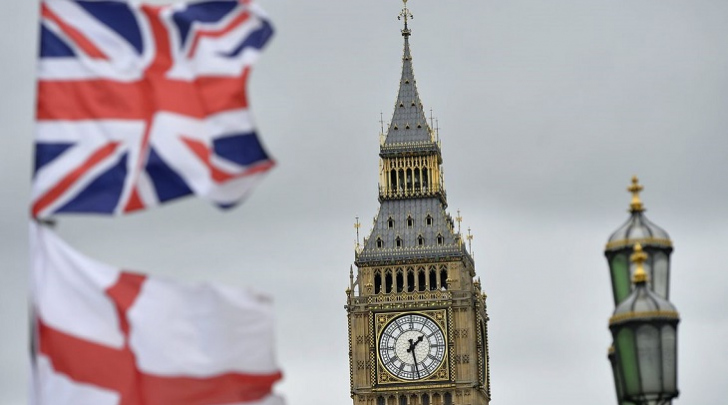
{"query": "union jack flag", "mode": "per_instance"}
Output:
(141, 104)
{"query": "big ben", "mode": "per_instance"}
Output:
(417, 316)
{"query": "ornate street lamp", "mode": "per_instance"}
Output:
(644, 329)
(654, 240)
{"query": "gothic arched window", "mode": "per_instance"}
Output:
(433, 279)
(420, 241)
(380, 243)
(410, 280)
(410, 221)
(440, 239)
(390, 222)
(421, 280)
(377, 283)
(400, 281)
(428, 220)
(443, 279)
(388, 282)
(398, 242)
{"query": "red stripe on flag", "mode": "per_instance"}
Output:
(223, 389)
(124, 293)
(62, 186)
(113, 369)
(84, 43)
(105, 99)
(223, 94)
(84, 361)
(92, 99)
(236, 22)
(163, 56)
(135, 202)
(203, 153)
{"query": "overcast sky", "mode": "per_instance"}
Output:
(546, 109)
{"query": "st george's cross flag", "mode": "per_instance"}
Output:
(141, 104)
(108, 337)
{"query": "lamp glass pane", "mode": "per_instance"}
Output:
(650, 358)
(669, 358)
(659, 274)
(621, 283)
(618, 383)
(627, 353)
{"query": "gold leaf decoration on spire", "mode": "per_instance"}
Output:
(406, 15)
(636, 188)
(639, 257)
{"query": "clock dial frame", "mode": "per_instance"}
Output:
(412, 347)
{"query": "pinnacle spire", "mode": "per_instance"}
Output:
(636, 188)
(406, 16)
(409, 123)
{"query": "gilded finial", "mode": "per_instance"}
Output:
(639, 257)
(636, 188)
(357, 225)
(459, 219)
(470, 241)
(406, 15)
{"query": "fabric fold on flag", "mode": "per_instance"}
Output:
(139, 105)
(104, 336)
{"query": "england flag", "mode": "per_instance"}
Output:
(103, 336)
(141, 104)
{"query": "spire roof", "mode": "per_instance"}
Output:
(409, 123)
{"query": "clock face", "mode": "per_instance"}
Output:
(412, 347)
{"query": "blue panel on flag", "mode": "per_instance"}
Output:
(243, 149)
(47, 152)
(257, 39)
(103, 194)
(207, 12)
(51, 46)
(118, 17)
(168, 184)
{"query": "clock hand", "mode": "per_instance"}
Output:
(414, 357)
(411, 349)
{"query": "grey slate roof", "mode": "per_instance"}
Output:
(418, 209)
(409, 123)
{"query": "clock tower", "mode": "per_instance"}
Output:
(418, 332)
